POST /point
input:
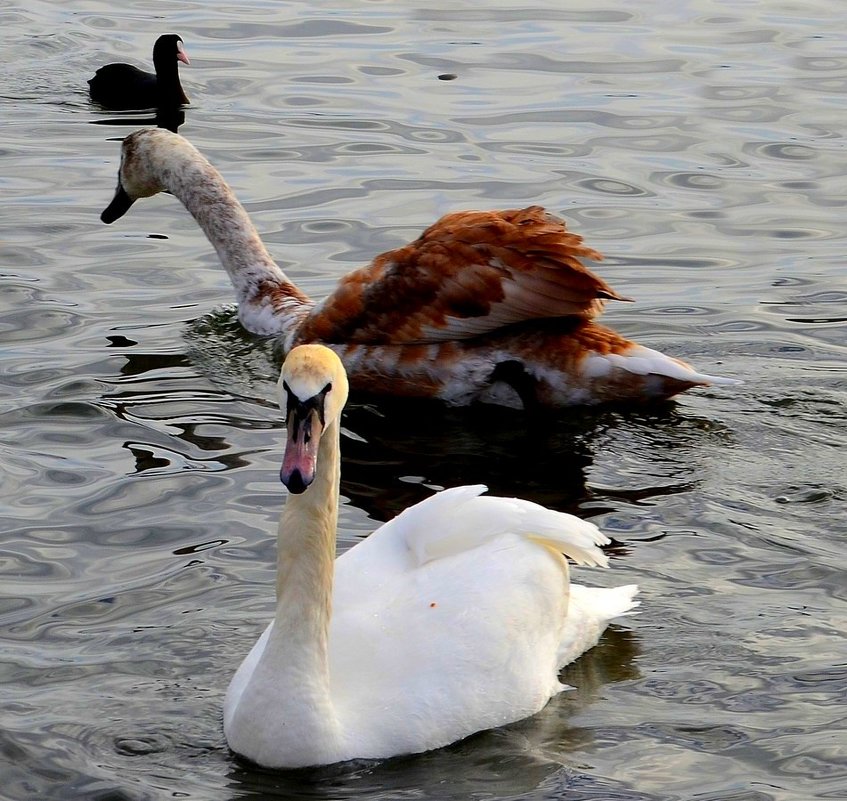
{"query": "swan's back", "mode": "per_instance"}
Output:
(467, 642)
(454, 618)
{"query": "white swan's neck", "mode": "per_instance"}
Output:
(306, 551)
(290, 690)
(269, 302)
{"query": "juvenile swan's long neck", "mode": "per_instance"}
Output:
(269, 302)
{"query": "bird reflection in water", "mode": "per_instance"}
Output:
(168, 118)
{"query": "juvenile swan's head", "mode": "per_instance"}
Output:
(147, 156)
(313, 390)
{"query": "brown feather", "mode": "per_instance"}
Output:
(469, 273)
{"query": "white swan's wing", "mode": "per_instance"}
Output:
(461, 518)
(454, 616)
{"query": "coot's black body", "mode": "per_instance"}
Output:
(122, 86)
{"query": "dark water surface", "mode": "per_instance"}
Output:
(699, 144)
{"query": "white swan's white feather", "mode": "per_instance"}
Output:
(459, 519)
(454, 617)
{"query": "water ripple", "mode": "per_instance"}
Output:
(699, 146)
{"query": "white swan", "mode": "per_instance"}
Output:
(484, 306)
(454, 617)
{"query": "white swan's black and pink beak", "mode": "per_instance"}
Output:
(305, 421)
(118, 207)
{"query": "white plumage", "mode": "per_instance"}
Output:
(452, 618)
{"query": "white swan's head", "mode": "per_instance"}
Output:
(146, 156)
(313, 390)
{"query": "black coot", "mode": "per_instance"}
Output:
(122, 86)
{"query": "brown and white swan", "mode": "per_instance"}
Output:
(490, 306)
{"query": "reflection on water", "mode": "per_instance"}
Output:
(170, 119)
(390, 464)
(699, 145)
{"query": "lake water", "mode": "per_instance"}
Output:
(699, 144)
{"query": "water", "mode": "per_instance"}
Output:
(698, 144)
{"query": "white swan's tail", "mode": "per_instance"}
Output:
(589, 611)
(606, 604)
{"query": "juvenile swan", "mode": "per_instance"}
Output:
(454, 617)
(491, 306)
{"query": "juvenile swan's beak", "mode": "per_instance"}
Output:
(305, 425)
(118, 207)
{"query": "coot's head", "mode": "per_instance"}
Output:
(169, 48)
